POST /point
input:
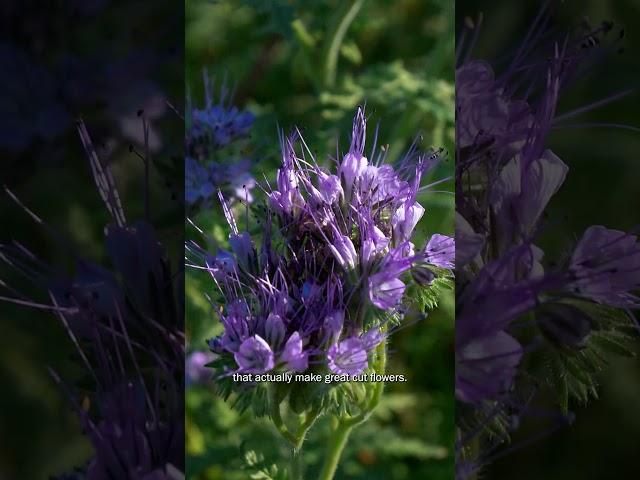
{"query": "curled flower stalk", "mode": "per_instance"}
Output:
(315, 285)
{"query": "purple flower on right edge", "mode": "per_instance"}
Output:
(511, 304)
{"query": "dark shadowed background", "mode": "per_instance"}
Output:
(61, 60)
(602, 187)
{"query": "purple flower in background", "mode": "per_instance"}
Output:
(211, 163)
(199, 184)
(219, 124)
(195, 367)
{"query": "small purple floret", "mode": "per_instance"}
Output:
(349, 357)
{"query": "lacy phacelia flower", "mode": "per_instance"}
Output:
(212, 162)
(330, 274)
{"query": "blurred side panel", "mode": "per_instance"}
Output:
(91, 242)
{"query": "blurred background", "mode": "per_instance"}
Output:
(310, 64)
(103, 61)
(602, 189)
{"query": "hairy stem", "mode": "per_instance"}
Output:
(295, 440)
(342, 427)
(339, 437)
(295, 465)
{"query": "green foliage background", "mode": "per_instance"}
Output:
(296, 63)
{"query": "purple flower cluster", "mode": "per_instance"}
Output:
(505, 178)
(211, 163)
(330, 274)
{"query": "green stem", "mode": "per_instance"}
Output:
(339, 439)
(295, 466)
(337, 37)
(343, 427)
(276, 417)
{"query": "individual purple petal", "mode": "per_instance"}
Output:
(486, 367)
(294, 357)
(606, 265)
(468, 243)
(351, 168)
(441, 251)
(521, 194)
(344, 251)
(384, 292)
(243, 248)
(274, 330)
(329, 187)
(349, 357)
(541, 180)
(372, 338)
(405, 219)
(333, 324)
(354, 162)
(374, 242)
(254, 355)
